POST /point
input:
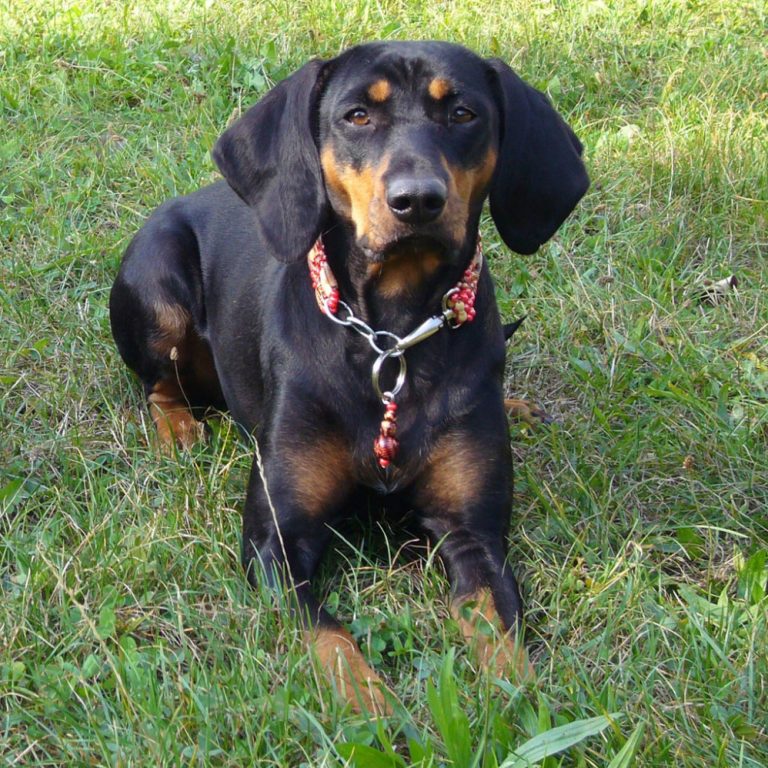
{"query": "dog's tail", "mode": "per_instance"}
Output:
(510, 328)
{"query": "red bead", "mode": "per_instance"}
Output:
(385, 448)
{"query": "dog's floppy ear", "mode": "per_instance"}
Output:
(269, 157)
(539, 175)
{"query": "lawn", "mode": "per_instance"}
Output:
(128, 636)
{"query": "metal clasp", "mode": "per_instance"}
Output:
(424, 331)
(449, 313)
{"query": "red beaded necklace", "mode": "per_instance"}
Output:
(458, 308)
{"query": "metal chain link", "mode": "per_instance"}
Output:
(397, 350)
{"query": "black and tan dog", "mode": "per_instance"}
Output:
(356, 185)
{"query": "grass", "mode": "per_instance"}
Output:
(127, 633)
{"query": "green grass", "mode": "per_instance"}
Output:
(127, 633)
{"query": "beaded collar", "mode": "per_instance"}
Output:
(458, 308)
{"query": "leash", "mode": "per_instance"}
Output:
(458, 307)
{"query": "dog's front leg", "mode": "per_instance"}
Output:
(285, 532)
(464, 500)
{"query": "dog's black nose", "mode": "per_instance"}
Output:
(416, 201)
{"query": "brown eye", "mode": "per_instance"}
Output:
(357, 116)
(462, 115)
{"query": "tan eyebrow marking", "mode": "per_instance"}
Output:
(381, 90)
(439, 88)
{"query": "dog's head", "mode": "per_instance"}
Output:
(403, 142)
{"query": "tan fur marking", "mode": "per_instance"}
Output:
(380, 91)
(404, 272)
(455, 471)
(320, 474)
(465, 187)
(496, 649)
(525, 410)
(173, 420)
(361, 196)
(439, 88)
(336, 651)
(472, 182)
(172, 321)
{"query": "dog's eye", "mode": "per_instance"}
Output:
(462, 115)
(357, 116)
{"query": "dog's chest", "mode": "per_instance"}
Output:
(421, 420)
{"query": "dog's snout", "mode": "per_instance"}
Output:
(416, 200)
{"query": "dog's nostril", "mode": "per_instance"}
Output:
(433, 202)
(400, 203)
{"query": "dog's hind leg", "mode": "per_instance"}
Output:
(527, 411)
(153, 306)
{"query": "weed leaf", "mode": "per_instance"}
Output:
(450, 719)
(556, 740)
(625, 755)
(362, 756)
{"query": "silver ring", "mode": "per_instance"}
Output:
(336, 319)
(376, 371)
(395, 352)
(356, 324)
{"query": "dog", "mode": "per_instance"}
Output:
(331, 294)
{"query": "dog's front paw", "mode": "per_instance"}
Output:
(508, 658)
(499, 651)
(337, 654)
